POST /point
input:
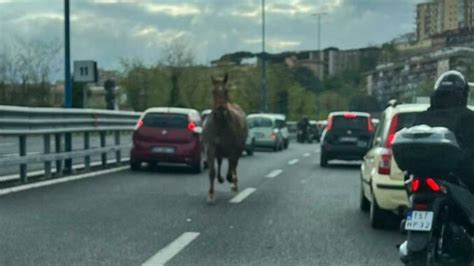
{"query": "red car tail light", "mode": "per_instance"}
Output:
(415, 185)
(431, 183)
(385, 162)
(391, 132)
(139, 125)
(329, 125)
(370, 126)
(192, 126)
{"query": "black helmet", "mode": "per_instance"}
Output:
(452, 81)
(451, 89)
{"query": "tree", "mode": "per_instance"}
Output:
(176, 56)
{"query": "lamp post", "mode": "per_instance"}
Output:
(67, 83)
(320, 60)
(263, 89)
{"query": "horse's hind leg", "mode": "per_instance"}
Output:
(219, 164)
(232, 174)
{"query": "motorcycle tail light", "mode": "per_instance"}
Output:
(431, 183)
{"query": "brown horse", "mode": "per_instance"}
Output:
(225, 133)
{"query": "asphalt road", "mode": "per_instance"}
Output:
(304, 215)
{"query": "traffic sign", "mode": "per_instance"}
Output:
(85, 71)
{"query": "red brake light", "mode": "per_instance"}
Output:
(139, 124)
(273, 136)
(385, 162)
(391, 132)
(370, 126)
(329, 125)
(415, 185)
(350, 115)
(431, 183)
(191, 126)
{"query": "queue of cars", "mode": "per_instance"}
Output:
(168, 135)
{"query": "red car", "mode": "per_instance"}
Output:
(168, 135)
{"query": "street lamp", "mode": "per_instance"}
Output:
(263, 89)
(321, 59)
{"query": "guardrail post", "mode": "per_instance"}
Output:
(47, 150)
(87, 159)
(68, 148)
(118, 153)
(57, 143)
(103, 135)
(23, 167)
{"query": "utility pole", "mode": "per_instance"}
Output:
(263, 89)
(67, 59)
(67, 83)
(320, 61)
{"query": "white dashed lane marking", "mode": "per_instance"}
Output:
(242, 195)
(274, 173)
(294, 161)
(168, 252)
(306, 154)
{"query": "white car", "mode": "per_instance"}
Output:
(268, 130)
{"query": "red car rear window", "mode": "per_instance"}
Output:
(353, 123)
(165, 120)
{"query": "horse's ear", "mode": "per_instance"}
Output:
(226, 77)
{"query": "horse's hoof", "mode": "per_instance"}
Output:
(220, 179)
(235, 188)
(211, 199)
(230, 179)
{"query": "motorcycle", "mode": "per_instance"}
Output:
(440, 221)
(304, 137)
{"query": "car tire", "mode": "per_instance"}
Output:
(197, 167)
(287, 143)
(250, 150)
(377, 216)
(364, 203)
(323, 159)
(135, 165)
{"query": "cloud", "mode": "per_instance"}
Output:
(107, 30)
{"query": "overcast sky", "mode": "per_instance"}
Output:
(107, 30)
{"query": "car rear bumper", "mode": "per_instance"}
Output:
(186, 153)
(265, 143)
(344, 151)
(389, 193)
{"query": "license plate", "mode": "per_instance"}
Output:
(347, 139)
(165, 150)
(361, 144)
(419, 221)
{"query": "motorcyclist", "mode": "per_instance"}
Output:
(448, 108)
(303, 126)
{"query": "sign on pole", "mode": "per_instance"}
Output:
(85, 71)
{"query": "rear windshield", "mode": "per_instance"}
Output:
(343, 123)
(165, 120)
(406, 120)
(260, 122)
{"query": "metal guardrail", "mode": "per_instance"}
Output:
(23, 122)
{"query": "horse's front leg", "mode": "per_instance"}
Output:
(212, 175)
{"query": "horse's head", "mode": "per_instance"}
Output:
(220, 95)
(220, 92)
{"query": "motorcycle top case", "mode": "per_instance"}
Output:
(426, 151)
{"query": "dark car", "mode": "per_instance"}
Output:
(168, 135)
(346, 136)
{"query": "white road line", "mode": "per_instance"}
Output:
(242, 195)
(59, 180)
(274, 173)
(168, 252)
(294, 161)
(306, 154)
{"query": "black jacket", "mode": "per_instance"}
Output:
(460, 120)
